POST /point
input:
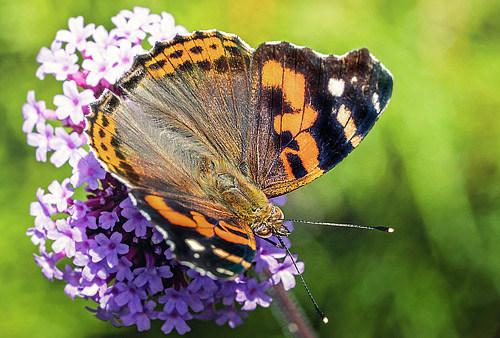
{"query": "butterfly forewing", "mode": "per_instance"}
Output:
(312, 111)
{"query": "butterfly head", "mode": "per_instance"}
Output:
(271, 222)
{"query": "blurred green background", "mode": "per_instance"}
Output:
(429, 168)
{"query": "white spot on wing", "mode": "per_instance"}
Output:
(194, 244)
(336, 86)
(224, 271)
(273, 42)
(376, 102)
(146, 215)
(162, 232)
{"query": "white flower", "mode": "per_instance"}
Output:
(165, 29)
(141, 14)
(70, 104)
(66, 146)
(125, 55)
(46, 56)
(129, 29)
(102, 66)
(77, 35)
(102, 40)
(59, 194)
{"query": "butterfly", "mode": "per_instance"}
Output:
(204, 130)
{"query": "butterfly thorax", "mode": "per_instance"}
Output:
(240, 195)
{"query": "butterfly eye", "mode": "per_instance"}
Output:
(263, 231)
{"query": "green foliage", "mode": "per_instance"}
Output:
(429, 168)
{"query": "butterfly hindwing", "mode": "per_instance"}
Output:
(312, 110)
(223, 248)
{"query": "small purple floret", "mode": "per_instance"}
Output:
(252, 294)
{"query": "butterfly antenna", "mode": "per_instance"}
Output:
(272, 242)
(384, 229)
(318, 310)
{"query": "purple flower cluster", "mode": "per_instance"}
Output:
(101, 245)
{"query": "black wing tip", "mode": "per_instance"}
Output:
(384, 78)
